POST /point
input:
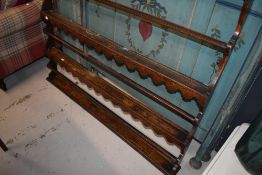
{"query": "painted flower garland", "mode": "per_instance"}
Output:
(146, 29)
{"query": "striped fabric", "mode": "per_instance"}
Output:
(21, 37)
(20, 17)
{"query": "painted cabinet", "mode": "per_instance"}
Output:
(216, 18)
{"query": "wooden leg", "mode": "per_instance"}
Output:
(195, 162)
(207, 156)
(2, 85)
(3, 146)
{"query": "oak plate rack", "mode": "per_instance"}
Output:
(174, 81)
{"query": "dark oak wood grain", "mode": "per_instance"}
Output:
(174, 81)
(159, 157)
(160, 100)
(172, 132)
(3, 146)
(241, 21)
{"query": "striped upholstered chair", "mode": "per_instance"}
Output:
(21, 37)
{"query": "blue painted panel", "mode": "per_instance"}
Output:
(129, 35)
(191, 50)
(203, 70)
(64, 7)
(101, 19)
(225, 84)
(234, 65)
(256, 7)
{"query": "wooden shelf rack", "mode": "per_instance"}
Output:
(174, 81)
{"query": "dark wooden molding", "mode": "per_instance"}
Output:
(178, 29)
(221, 64)
(160, 100)
(3, 146)
(174, 81)
(158, 156)
(203, 39)
(172, 132)
(241, 21)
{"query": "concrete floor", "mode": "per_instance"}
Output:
(47, 133)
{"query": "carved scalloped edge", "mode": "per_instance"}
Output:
(124, 112)
(171, 87)
(144, 123)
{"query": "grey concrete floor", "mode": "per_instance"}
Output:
(47, 133)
